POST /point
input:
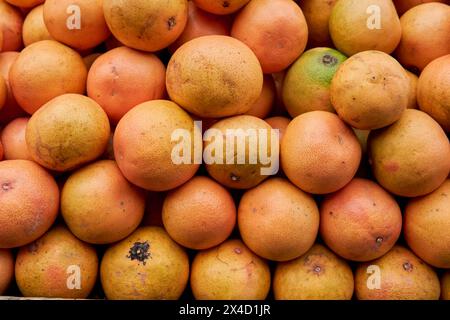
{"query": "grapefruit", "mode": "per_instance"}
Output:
(34, 28)
(13, 139)
(262, 107)
(279, 123)
(6, 269)
(445, 286)
(11, 26)
(221, 7)
(317, 14)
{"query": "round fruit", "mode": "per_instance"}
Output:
(58, 265)
(360, 25)
(25, 3)
(200, 214)
(201, 23)
(68, 131)
(427, 226)
(11, 27)
(34, 28)
(29, 202)
(398, 275)
(360, 222)
(3, 92)
(306, 86)
(76, 23)
(432, 91)
(145, 266)
(229, 272)
(123, 78)
(99, 205)
(144, 148)
(279, 123)
(13, 139)
(214, 76)
(445, 286)
(89, 61)
(370, 90)
(317, 14)
(425, 35)
(413, 81)
(275, 30)
(45, 70)
(277, 220)
(235, 153)
(317, 275)
(404, 5)
(262, 107)
(146, 25)
(410, 158)
(319, 153)
(220, 7)
(6, 269)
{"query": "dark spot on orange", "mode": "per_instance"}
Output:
(139, 251)
(408, 266)
(225, 4)
(238, 250)
(6, 186)
(329, 60)
(171, 23)
(391, 166)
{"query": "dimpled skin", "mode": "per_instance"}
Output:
(433, 94)
(410, 158)
(403, 276)
(146, 25)
(240, 175)
(360, 222)
(34, 28)
(370, 90)
(277, 220)
(229, 271)
(160, 272)
(143, 146)
(427, 226)
(319, 153)
(425, 35)
(45, 70)
(123, 78)
(349, 29)
(11, 25)
(275, 30)
(66, 132)
(214, 76)
(6, 269)
(317, 13)
(13, 139)
(317, 275)
(99, 205)
(43, 267)
(200, 214)
(221, 7)
(29, 202)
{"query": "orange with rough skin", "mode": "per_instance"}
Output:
(99, 205)
(319, 153)
(67, 132)
(360, 222)
(25, 3)
(229, 271)
(11, 27)
(317, 275)
(404, 5)
(214, 77)
(402, 275)
(200, 214)
(144, 149)
(445, 286)
(221, 7)
(360, 25)
(6, 269)
(13, 139)
(29, 202)
(44, 267)
(279, 123)
(45, 70)
(275, 30)
(317, 14)
(425, 35)
(277, 220)
(370, 90)
(262, 107)
(201, 23)
(34, 28)
(246, 164)
(433, 94)
(148, 265)
(146, 25)
(427, 226)
(60, 14)
(123, 78)
(410, 158)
